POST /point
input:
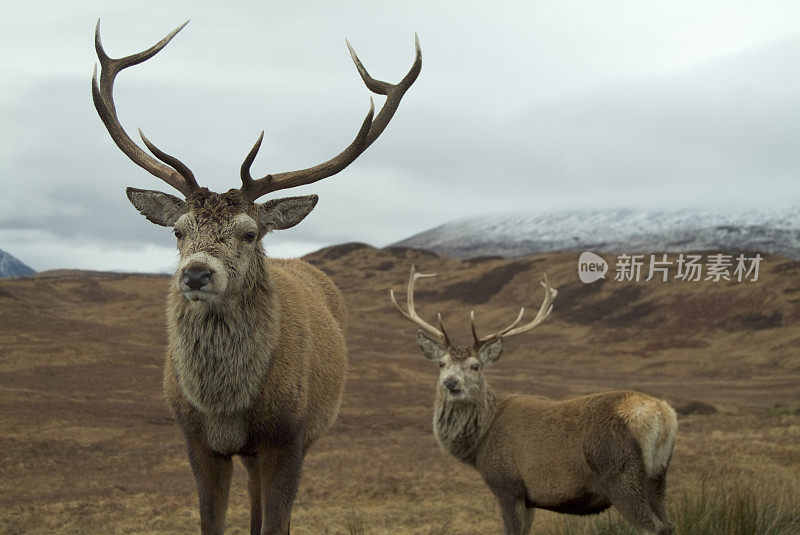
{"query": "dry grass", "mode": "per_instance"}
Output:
(709, 507)
(88, 446)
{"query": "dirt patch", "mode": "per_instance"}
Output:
(385, 266)
(787, 267)
(484, 287)
(404, 251)
(335, 252)
(753, 321)
(481, 259)
(588, 304)
(696, 407)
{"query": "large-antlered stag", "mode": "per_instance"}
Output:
(256, 357)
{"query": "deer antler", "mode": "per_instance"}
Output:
(178, 175)
(175, 173)
(440, 333)
(369, 132)
(512, 329)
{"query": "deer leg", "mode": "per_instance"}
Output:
(517, 518)
(530, 511)
(658, 486)
(628, 492)
(280, 479)
(253, 463)
(212, 472)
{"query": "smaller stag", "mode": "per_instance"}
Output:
(577, 456)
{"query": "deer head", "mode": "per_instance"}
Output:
(461, 367)
(219, 235)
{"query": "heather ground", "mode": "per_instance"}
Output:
(87, 444)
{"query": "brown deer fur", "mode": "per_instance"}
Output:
(256, 357)
(256, 361)
(577, 456)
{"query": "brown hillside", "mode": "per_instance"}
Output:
(87, 444)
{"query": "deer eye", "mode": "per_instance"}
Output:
(178, 234)
(474, 367)
(249, 236)
(441, 364)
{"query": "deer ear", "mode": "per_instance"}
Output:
(279, 214)
(158, 207)
(490, 352)
(432, 349)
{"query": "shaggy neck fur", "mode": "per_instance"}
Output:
(222, 350)
(460, 426)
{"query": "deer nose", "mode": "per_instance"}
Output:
(450, 383)
(195, 277)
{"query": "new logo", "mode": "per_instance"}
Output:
(591, 267)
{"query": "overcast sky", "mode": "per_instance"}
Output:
(525, 105)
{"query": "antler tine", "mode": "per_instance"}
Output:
(369, 132)
(247, 179)
(393, 92)
(253, 189)
(175, 173)
(472, 325)
(172, 161)
(412, 280)
(411, 314)
(495, 335)
(441, 328)
(544, 311)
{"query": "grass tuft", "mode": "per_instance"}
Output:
(355, 524)
(705, 510)
(784, 410)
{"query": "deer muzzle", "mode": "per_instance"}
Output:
(196, 276)
(452, 385)
(201, 276)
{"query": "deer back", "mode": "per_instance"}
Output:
(532, 438)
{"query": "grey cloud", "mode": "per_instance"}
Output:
(516, 107)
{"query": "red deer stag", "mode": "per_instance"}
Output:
(577, 456)
(256, 358)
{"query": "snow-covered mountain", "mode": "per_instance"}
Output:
(765, 230)
(13, 267)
